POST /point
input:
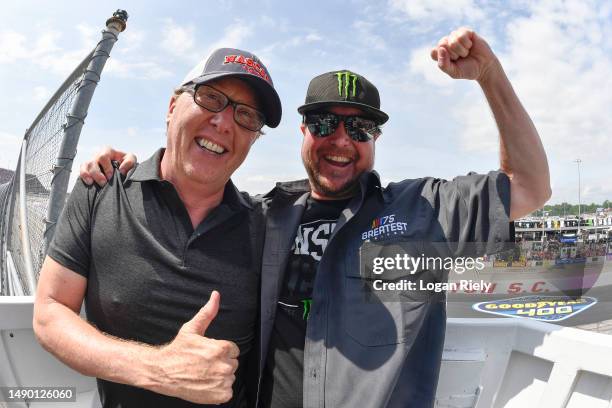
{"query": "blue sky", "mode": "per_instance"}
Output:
(556, 53)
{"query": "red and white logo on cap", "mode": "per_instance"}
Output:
(248, 64)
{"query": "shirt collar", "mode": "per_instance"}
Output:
(233, 197)
(148, 170)
(368, 181)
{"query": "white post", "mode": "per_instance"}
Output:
(23, 220)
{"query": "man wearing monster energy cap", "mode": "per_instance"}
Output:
(321, 343)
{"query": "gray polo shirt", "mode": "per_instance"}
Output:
(149, 271)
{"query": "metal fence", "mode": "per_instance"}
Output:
(31, 202)
(5, 192)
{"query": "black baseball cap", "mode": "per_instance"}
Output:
(231, 62)
(343, 88)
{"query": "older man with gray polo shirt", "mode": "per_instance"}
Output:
(150, 253)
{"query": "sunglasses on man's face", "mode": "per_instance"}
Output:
(358, 128)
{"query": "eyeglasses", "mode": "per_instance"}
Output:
(359, 129)
(215, 101)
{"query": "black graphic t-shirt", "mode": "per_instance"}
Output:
(283, 374)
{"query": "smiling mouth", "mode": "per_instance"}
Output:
(209, 146)
(341, 161)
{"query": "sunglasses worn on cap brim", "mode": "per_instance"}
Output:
(358, 128)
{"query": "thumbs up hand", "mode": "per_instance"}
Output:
(194, 367)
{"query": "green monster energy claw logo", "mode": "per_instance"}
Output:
(306, 303)
(346, 81)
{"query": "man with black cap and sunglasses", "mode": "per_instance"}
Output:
(322, 342)
(167, 258)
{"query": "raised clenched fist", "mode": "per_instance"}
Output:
(463, 54)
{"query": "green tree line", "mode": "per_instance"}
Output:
(565, 209)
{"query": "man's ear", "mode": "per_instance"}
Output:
(171, 106)
(303, 128)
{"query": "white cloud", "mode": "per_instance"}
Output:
(7, 139)
(559, 67)
(292, 42)
(277, 23)
(595, 188)
(132, 132)
(260, 178)
(367, 37)
(420, 63)
(12, 46)
(9, 149)
(131, 40)
(48, 55)
(142, 70)
(436, 10)
(46, 44)
(45, 53)
(267, 21)
(41, 93)
(479, 130)
(89, 35)
(233, 36)
(178, 40)
(312, 37)
(557, 58)
(61, 63)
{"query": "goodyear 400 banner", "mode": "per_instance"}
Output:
(546, 308)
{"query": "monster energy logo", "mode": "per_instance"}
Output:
(306, 303)
(346, 81)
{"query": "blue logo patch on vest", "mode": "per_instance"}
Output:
(383, 227)
(545, 308)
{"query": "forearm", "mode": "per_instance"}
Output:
(522, 155)
(87, 350)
